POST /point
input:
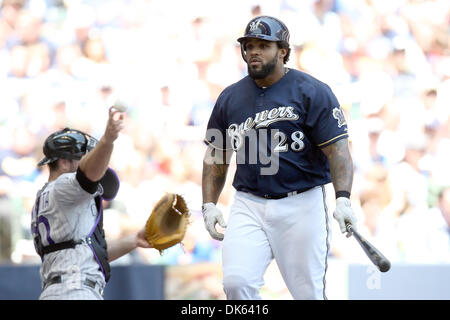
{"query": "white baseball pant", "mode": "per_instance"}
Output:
(294, 231)
(72, 288)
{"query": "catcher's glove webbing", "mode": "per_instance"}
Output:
(167, 223)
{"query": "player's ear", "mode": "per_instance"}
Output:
(282, 52)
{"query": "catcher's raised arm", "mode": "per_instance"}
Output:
(168, 222)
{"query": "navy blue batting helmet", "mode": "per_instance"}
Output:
(266, 28)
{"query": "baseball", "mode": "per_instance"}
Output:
(120, 106)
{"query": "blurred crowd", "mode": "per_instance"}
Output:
(63, 63)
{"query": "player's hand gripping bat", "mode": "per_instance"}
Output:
(374, 255)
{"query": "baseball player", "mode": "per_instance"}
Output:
(67, 220)
(290, 138)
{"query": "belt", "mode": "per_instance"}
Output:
(87, 282)
(284, 195)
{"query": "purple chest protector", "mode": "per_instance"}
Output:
(96, 238)
(97, 242)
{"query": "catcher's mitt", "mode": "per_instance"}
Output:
(167, 223)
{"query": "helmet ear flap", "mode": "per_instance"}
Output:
(243, 53)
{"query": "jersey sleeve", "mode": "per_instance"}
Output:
(216, 131)
(68, 190)
(325, 118)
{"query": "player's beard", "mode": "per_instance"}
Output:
(266, 69)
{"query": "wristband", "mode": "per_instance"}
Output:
(345, 194)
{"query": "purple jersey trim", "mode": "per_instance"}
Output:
(44, 220)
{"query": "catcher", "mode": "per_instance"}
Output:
(67, 217)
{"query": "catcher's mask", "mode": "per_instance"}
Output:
(265, 28)
(67, 144)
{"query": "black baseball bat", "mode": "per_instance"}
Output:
(374, 255)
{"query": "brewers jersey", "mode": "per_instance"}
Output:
(284, 126)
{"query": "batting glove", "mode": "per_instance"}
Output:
(344, 214)
(211, 216)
